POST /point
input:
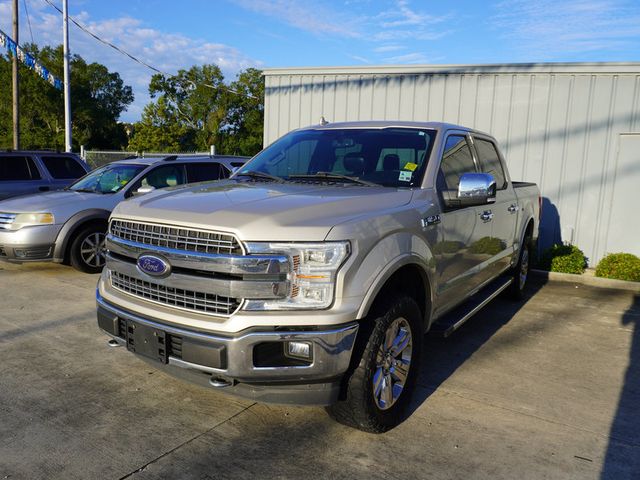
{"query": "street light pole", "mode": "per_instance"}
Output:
(16, 82)
(67, 78)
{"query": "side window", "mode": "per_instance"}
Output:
(205, 172)
(163, 177)
(490, 161)
(13, 168)
(61, 167)
(456, 160)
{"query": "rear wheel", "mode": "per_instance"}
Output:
(379, 390)
(87, 249)
(520, 272)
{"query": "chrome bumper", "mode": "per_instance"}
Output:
(331, 350)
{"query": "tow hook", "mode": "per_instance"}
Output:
(113, 343)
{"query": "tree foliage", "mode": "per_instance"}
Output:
(98, 97)
(196, 109)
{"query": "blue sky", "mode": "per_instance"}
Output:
(237, 34)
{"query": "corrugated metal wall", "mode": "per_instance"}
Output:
(568, 127)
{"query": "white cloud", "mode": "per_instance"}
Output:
(547, 28)
(166, 51)
(389, 48)
(409, 58)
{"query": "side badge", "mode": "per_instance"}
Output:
(431, 220)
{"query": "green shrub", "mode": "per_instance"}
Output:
(621, 266)
(487, 245)
(563, 259)
(447, 246)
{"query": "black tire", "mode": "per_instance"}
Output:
(520, 272)
(362, 408)
(90, 237)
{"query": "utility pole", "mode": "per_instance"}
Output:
(67, 78)
(16, 83)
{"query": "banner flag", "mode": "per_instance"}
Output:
(28, 60)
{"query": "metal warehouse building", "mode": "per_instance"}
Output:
(573, 128)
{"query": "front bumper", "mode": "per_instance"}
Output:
(29, 244)
(230, 362)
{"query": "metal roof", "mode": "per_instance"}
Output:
(569, 67)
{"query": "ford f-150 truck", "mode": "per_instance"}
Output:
(311, 275)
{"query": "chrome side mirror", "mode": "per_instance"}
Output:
(143, 190)
(473, 189)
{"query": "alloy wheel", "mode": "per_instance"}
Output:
(92, 249)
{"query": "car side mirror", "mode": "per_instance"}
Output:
(143, 190)
(473, 189)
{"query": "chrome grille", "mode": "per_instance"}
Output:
(200, 302)
(6, 219)
(174, 237)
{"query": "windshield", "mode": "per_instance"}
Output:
(393, 157)
(108, 179)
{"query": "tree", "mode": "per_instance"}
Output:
(196, 109)
(98, 97)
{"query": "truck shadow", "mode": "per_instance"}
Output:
(622, 460)
(443, 356)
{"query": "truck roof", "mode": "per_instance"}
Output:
(392, 123)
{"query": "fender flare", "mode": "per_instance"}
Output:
(71, 225)
(390, 269)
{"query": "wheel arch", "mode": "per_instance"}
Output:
(406, 274)
(72, 226)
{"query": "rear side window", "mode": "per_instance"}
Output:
(490, 161)
(13, 168)
(205, 172)
(456, 160)
(61, 167)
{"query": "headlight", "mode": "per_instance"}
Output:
(30, 219)
(313, 278)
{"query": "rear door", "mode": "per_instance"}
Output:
(63, 169)
(502, 243)
(19, 175)
(206, 172)
(460, 257)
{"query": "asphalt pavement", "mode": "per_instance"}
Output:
(546, 388)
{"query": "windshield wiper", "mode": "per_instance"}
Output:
(87, 190)
(256, 174)
(335, 176)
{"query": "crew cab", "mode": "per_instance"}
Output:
(311, 275)
(32, 171)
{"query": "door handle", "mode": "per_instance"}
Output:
(487, 215)
(43, 189)
(513, 208)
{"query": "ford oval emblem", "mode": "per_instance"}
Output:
(153, 265)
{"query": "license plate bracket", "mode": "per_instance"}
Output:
(147, 341)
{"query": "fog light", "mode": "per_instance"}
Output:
(298, 350)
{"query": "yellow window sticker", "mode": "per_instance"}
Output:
(411, 166)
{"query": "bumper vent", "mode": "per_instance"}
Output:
(175, 237)
(190, 300)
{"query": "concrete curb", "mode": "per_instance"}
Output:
(586, 279)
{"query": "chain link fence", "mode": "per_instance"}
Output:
(97, 158)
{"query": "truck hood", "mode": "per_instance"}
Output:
(58, 203)
(263, 211)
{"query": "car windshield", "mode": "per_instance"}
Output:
(108, 179)
(391, 157)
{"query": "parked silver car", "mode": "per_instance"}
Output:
(32, 171)
(70, 225)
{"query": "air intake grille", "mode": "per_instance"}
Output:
(175, 237)
(200, 302)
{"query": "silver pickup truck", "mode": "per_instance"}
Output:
(311, 275)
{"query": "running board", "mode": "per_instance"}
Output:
(453, 320)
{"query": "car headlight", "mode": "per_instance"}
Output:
(31, 219)
(313, 277)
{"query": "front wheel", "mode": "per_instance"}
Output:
(87, 249)
(379, 390)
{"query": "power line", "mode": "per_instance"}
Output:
(137, 60)
(24, 2)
